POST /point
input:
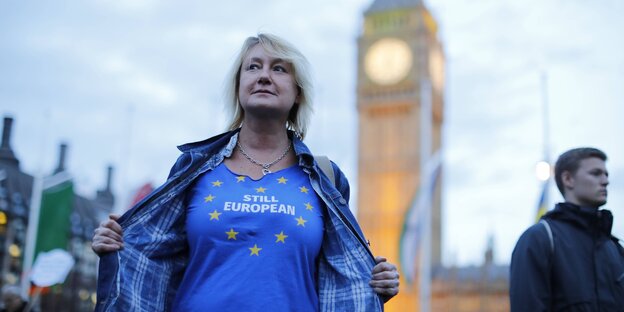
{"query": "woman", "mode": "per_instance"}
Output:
(246, 220)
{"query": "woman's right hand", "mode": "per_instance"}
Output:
(108, 236)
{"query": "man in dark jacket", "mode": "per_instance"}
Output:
(569, 261)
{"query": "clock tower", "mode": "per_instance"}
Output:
(400, 69)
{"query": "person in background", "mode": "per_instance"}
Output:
(246, 221)
(12, 299)
(570, 261)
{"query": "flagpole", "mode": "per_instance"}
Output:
(546, 139)
(545, 116)
(31, 232)
(425, 155)
(124, 163)
(34, 209)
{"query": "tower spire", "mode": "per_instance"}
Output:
(386, 5)
(6, 152)
(62, 155)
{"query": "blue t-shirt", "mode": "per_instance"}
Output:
(253, 243)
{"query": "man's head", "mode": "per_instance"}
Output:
(582, 176)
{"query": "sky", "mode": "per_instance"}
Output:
(125, 82)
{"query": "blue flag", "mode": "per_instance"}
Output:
(542, 206)
(415, 216)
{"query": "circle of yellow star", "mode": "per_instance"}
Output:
(255, 250)
(214, 215)
(301, 221)
(217, 183)
(282, 180)
(281, 237)
(308, 206)
(261, 189)
(240, 179)
(303, 189)
(209, 198)
(231, 234)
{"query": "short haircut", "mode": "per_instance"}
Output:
(299, 116)
(571, 160)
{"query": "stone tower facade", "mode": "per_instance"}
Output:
(400, 65)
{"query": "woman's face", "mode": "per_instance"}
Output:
(267, 85)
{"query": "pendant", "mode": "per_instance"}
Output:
(265, 171)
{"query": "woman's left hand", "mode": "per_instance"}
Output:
(385, 279)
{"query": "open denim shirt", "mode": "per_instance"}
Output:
(146, 273)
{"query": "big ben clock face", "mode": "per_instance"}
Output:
(388, 61)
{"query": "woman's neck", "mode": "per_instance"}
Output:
(263, 137)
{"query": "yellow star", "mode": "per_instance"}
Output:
(240, 179)
(255, 250)
(301, 221)
(303, 189)
(281, 237)
(260, 190)
(214, 215)
(308, 206)
(217, 183)
(209, 198)
(282, 180)
(231, 234)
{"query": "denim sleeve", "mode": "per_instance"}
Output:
(530, 272)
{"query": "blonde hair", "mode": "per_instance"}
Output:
(299, 116)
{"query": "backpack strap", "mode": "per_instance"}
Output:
(550, 235)
(327, 168)
(551, 260)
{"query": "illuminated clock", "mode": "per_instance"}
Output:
(388, 61)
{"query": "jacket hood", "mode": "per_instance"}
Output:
(596, 220)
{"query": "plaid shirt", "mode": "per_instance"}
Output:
(145, 275)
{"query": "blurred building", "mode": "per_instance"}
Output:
(471, 288)
(78, 291)
(401, 68)
(15, 194)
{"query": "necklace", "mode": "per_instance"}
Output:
(265, 167)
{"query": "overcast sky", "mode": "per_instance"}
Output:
(124, 82)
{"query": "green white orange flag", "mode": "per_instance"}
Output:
(50, 210)
(56, 208)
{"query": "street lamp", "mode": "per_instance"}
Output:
(542, 170)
